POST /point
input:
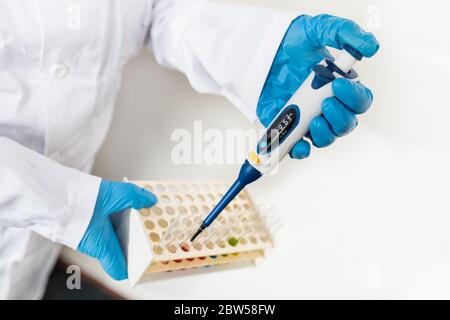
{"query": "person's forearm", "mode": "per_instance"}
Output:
(222, 48)
(44, 196)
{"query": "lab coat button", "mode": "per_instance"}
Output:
(59, 71)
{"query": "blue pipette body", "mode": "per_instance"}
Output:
(247, 175)
(290, 125)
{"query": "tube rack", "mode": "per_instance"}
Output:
(157, 239)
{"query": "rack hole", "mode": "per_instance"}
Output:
(175, 224)
(185, 247)
(243, 241)
(154, 237)
(168, 236)
(193, 209)
(187, 222)
(170, 211)
(178, 200)
(172, 248)
(177, 233)
(145, 212)
(160, 188)
(237, 230)
(197, 245)
(149, 188)
(157, 210)
(163, 223)
(173, 188)
(232, 241)
(164, 199)
(158, 250)
(210, 245)
(180, 236)
(221, 244)
(149, 225)
(182, 210)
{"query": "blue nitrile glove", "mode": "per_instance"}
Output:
(304, 46)
(100, 240)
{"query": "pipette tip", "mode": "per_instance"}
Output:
(196, 234)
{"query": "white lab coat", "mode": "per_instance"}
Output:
(60, 67)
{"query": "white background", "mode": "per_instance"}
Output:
(368, 217)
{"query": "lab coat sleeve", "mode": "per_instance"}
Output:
(223, 48)
(41, 195)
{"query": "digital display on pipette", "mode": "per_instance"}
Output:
(279, 130)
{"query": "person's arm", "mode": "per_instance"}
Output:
(258, 58)
(65, 205)
(304, 46)
(222, 48)
(41, 195)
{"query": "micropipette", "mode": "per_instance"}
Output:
(289, 126)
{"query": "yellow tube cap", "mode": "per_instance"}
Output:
(254, 158)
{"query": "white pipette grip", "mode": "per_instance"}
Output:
(292, 122)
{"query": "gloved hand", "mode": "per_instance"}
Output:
(100, 240)
(304, 46)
